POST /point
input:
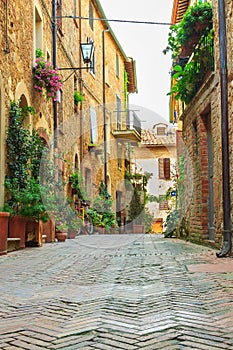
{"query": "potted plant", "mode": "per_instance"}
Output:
(33, 210)
(101, 213)
(61, 231)
(91, 146)
(76, 181)
(97, 220)
(196, 23)
(78, 98)
(47, 81)
(24, 149)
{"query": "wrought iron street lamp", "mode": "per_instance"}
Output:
(87, 50)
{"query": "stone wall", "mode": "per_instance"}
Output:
(30, 27)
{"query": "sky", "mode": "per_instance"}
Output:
(145, 44)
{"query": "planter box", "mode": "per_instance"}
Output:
(33, 233)
(17, 229)
(4, 221)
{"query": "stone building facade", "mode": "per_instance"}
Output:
(202, 130)
(157, 155)
(27, 26)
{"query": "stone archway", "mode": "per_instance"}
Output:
(22, 95)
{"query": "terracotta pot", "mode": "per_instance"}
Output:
(61, 236)
(17, 229)
(71, 234)
(4, 221)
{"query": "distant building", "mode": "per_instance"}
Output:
(157, 155)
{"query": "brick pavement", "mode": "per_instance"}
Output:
(116, 292)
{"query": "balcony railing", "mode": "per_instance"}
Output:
(126, 125)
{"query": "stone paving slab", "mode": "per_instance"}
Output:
(116, 292)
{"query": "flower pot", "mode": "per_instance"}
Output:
(61, 236)
(4, 221)
(91, 148)
(17, 229)
(71, 234)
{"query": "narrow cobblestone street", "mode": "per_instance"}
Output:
(116, 292)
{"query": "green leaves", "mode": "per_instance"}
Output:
(24, 151)
(197, 20)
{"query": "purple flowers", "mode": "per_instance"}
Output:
(47, 80)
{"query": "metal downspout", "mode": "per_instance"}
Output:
(80, 88)
(104, 107)
(226, 249)
(54, 44)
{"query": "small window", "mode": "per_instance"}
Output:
(91, 15)
(118, 111)
(164, 168)
(38, 30)
(163, 205)
(161, 130)
(117, 66)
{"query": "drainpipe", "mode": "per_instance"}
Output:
(226, 249)
(104, 107)
(81, 90)
(54, 44)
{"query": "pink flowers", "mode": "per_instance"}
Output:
(47, 80)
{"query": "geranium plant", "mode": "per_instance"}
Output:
(47, 80)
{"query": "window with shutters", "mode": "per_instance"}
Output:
(164, 168)
(117, 65)
(118, 111)
(91, 15)
(163, 205)
(119, 155)
(38, 25)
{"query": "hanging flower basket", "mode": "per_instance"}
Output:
(47, 81)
